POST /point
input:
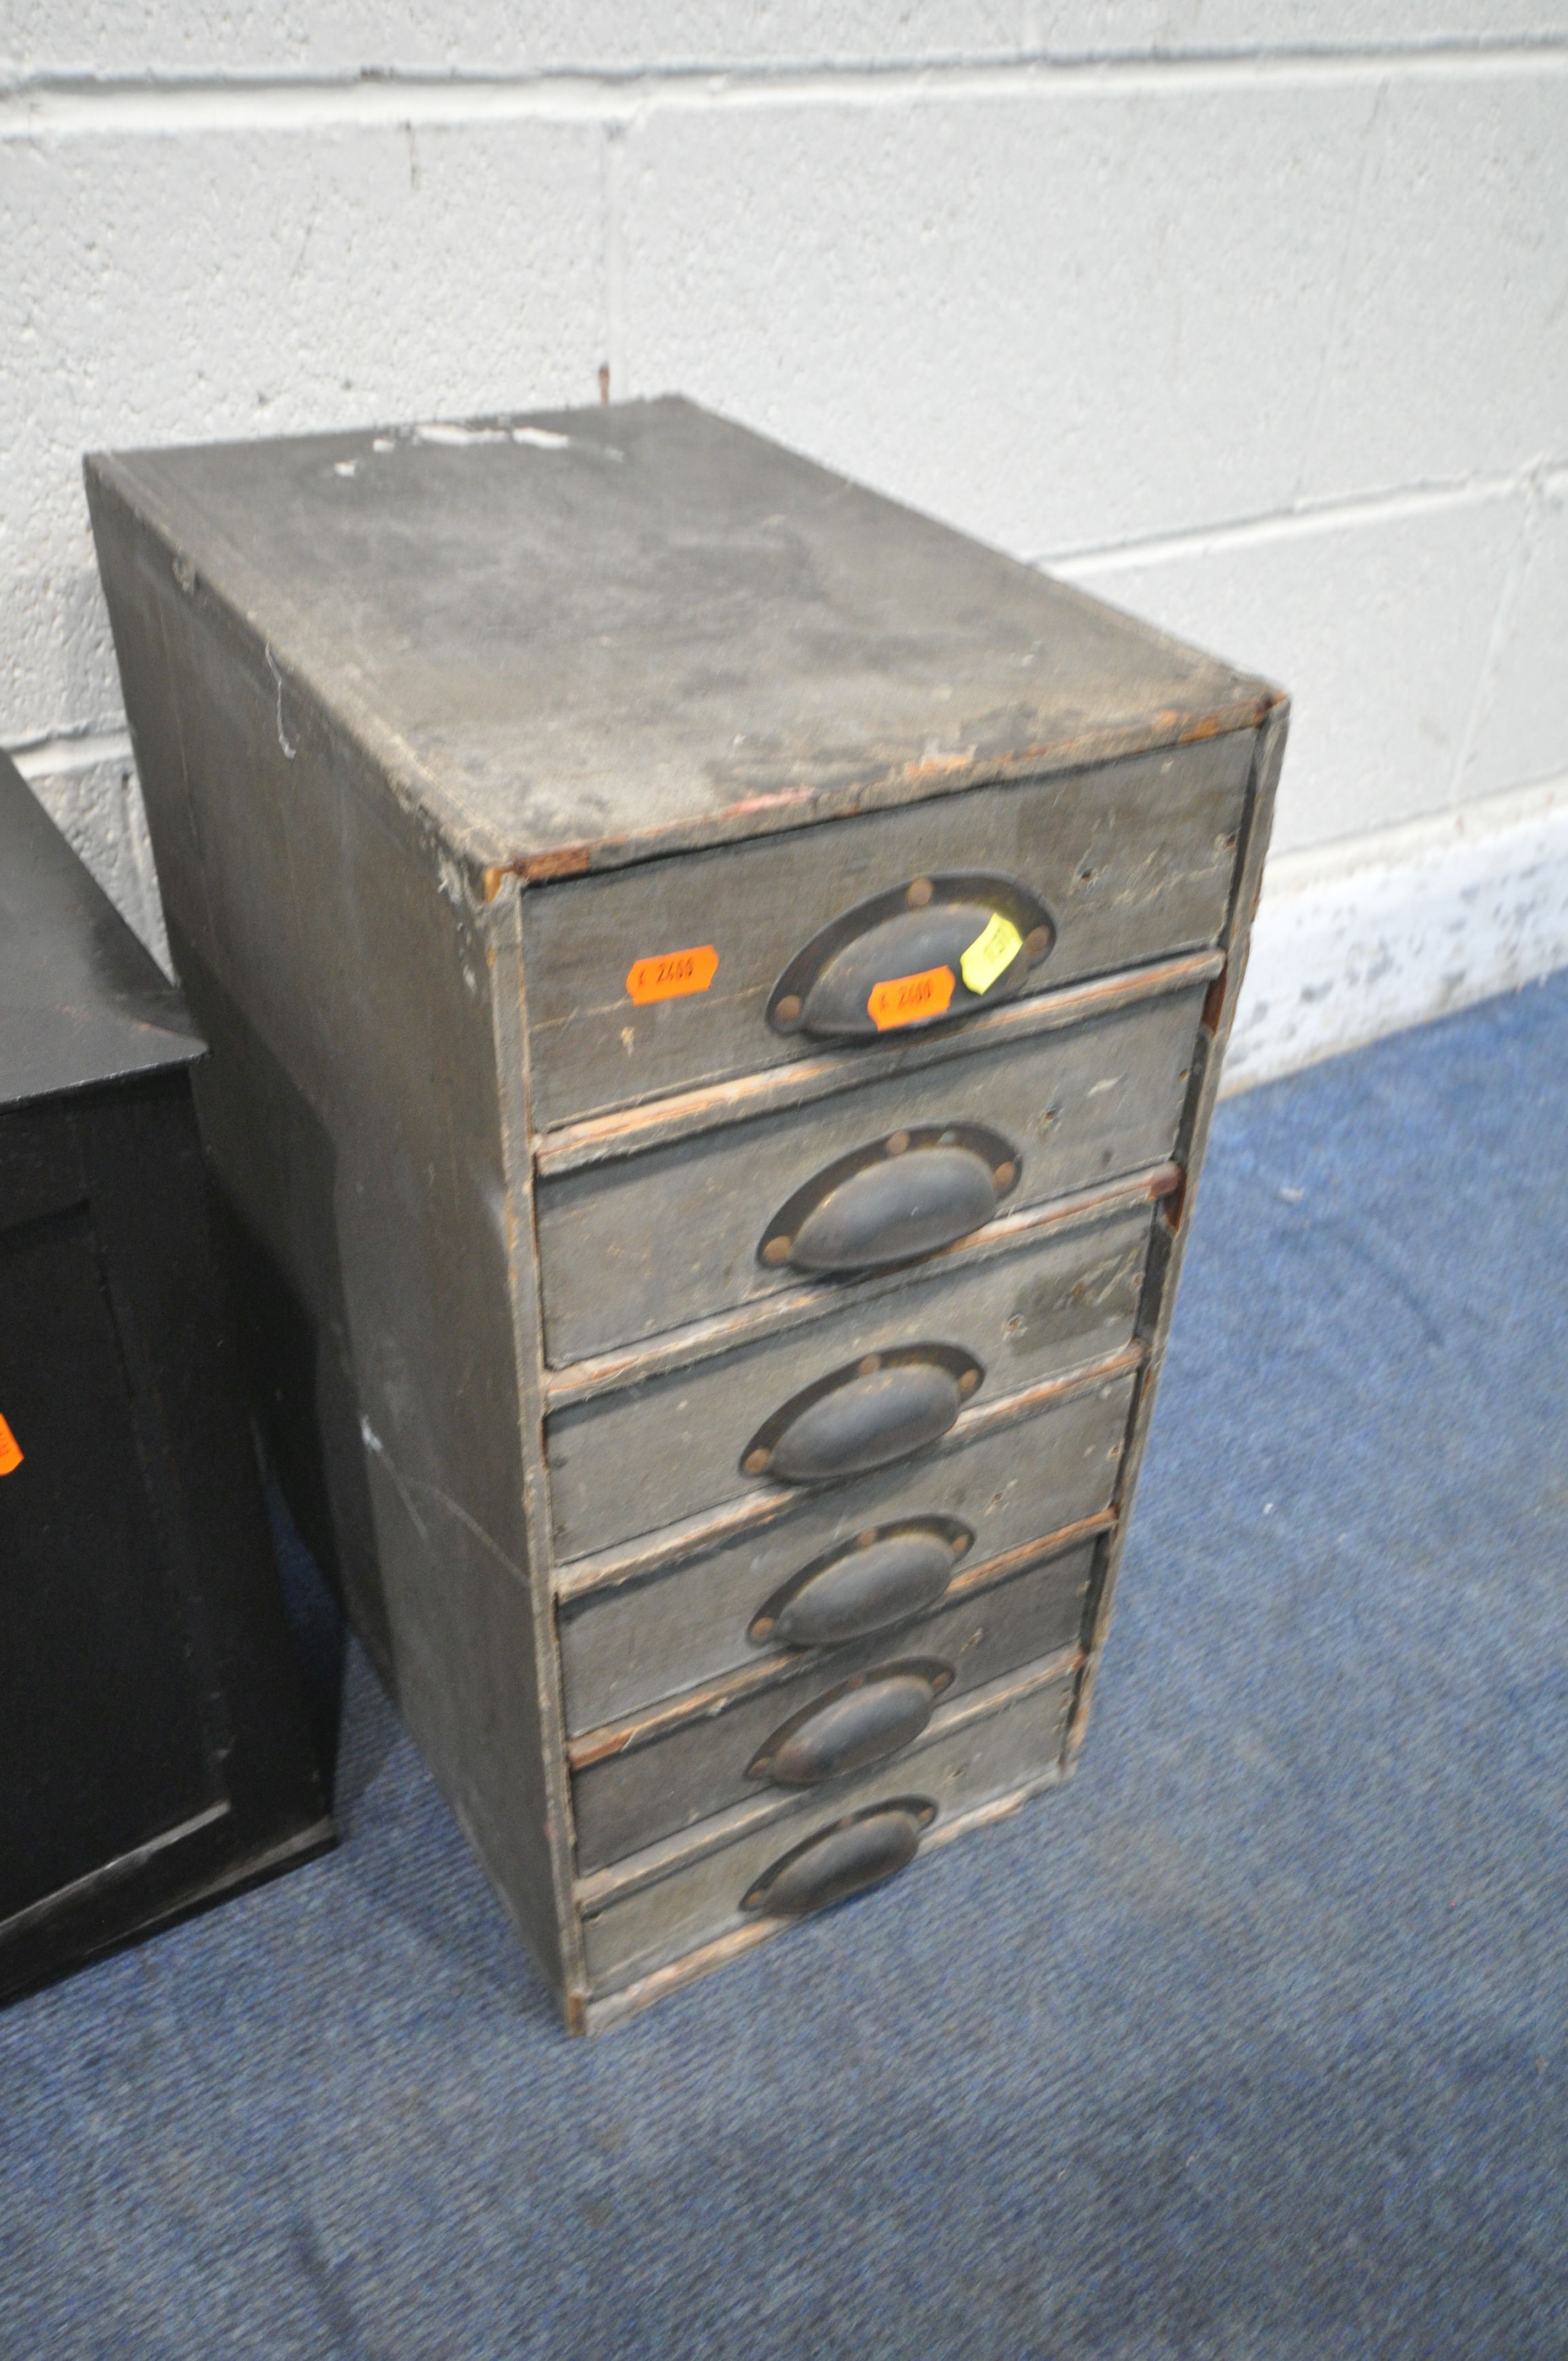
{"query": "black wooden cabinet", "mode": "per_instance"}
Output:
(153, 1748)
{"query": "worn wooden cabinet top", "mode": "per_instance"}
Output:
(575, 638)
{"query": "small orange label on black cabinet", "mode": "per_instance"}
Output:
(10, 1450)
(670, 973)
(907, 999)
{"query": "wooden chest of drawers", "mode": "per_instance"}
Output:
(715, 985)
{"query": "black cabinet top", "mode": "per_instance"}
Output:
(573, 639)
(81, 1001)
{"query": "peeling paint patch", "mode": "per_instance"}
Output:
(373, 1443)
(460, 438)
(532, 438)
(771, 802)
(453, 885)
(539, 438)
(288, 750)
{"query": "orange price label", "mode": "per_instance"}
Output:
(672, 974)
(10, 1450)
(908, 999)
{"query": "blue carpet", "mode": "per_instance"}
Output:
(1252, 2045)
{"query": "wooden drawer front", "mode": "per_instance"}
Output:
(649, 1454)
(691, 1769)
(1132, 860)
(966, 1758)
(651, 1241)
(628, 1646)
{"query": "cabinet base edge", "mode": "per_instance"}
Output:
(601, 2013)
(23, 1975)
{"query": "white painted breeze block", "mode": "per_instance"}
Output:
(1380, 623)
(1406, 924)
(216, 283)
(1250, 318)
(132, 39)
(88, 787)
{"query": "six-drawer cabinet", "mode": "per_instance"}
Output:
(715, 985)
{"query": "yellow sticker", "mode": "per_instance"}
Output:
(990, 953)
(910, 999)
(10, 1450)
(670, 973)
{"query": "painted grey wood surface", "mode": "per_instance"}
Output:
(374, 1275)
(1133, 861)
(987, 1753)
(623, 1648)
(678, 1115)
(654, 1452)
(1171, 1242)
(439, 733)
(587, 634)
(700, 1766)
(630, 1247)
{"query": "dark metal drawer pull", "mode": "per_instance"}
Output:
(843, 1860)
(864, 1721)
(861, 1416)
(929, 949)
(903, 1195)
(884, 1576)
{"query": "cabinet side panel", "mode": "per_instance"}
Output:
(335, 963)
(1173, 1220)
